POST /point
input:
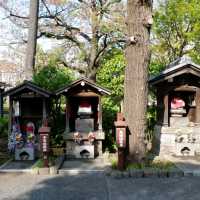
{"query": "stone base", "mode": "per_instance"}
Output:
(24, 153)
(179, 141)
(86, 150)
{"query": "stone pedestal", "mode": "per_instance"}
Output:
(74, 150)
(179, 141)
(24, 153)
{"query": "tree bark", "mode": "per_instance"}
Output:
(32, 39)
(139, 19)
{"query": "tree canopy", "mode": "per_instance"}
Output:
(86, 29)
(175, 32)
(51, 74)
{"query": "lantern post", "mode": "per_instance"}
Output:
(120, 126)
(44, 144)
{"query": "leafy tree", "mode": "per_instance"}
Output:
(139, 20)
(176, 31)
(53, 75)
(87, 29)
(111, 76)
(32, 39)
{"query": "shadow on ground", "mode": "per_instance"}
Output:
(96, 186)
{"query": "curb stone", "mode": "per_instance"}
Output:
(136, 173)
(126, 174)
(188, 174)
(196, 173)
(163, 173)
(43, 171)
(175, 173)
(150, 173)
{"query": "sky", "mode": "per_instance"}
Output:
(8, 35)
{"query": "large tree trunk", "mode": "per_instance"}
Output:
(32, 39)
(138, 55)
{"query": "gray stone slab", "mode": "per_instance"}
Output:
(81, 166)
(96, 186)
(17, 166)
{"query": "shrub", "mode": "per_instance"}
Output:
(3, 126)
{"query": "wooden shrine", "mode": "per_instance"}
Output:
(83, 133)
(2, 88)
(28, 110)
(178, 108)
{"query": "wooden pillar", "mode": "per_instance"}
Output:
(197, 112)
(1, 102)
(160, 108)
(10, 116)
(67, 116)
(166, 110)
(100, 114)
(44, 111)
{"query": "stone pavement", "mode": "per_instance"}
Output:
(84, 166)
(17, 166)
(96, 186)
(187, 164)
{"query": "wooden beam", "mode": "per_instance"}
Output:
(44, 111)
(1, 102)
(67, 130)
(197, 100)
(186, 88)
(100, 114)
(10, 116)
(160, 108)
(166, 110)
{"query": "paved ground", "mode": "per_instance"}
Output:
(186, 163)
(96, 186)
(17, 165)
(83, 165)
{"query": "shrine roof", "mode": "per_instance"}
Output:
(179, 66)
(83, 82)
(30, 86)
(3, 85)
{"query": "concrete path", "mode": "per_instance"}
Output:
(83, 166)
(96, 186)
(186, 164)
(17, 166)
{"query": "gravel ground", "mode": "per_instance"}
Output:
(96, 186)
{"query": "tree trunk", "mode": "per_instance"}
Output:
(32, 39)
(139, 20)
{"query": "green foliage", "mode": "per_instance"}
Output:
(114, 163)
(151, 120)
(51, 74)
(3, 126)
(111, 76)
(156, 67)
(53, 77)
(159, 165)
(176, 30)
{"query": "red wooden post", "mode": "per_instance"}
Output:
(44, 143)
(120, 125)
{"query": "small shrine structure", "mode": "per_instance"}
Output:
(178, 108)
(2, 88)
(83, 133)
(28, 110)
